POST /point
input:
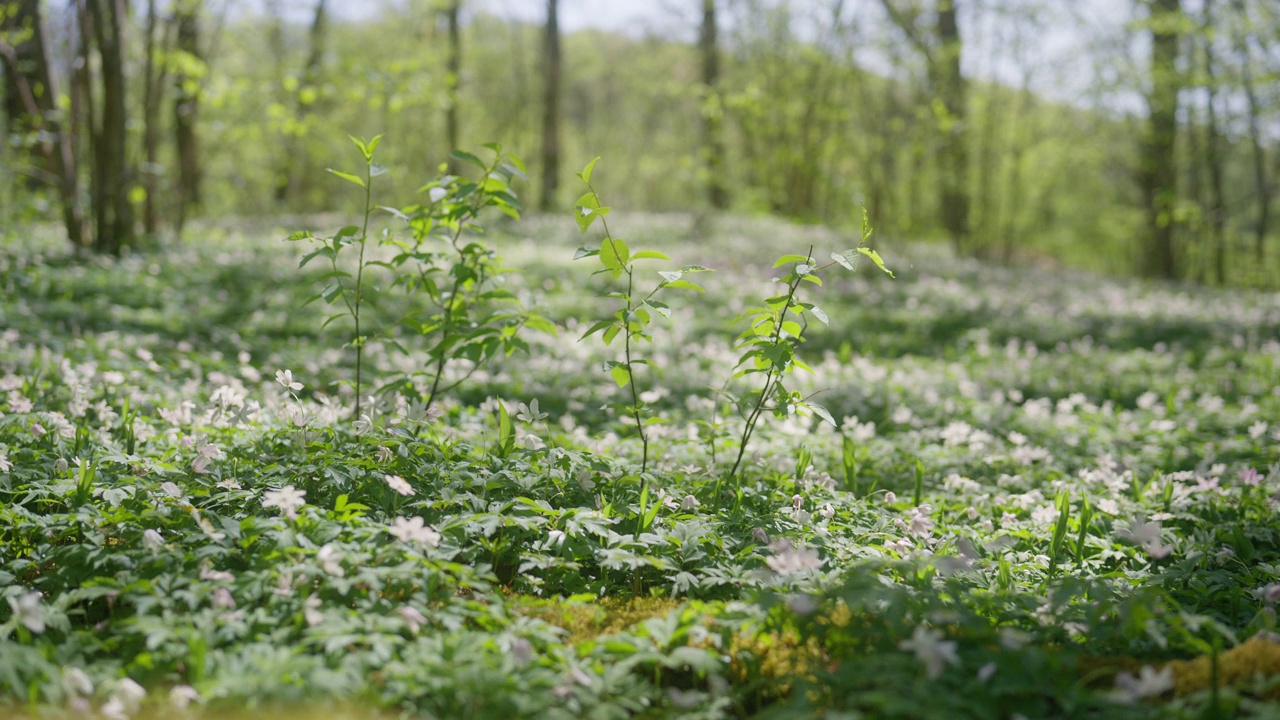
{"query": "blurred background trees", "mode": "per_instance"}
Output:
(1137, 136)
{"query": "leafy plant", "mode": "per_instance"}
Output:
(343, 284)
(471, 316)
(774, 333)
(633, 319)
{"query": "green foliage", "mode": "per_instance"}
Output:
(469, 315)
(773, 336)
(633, 319)
(172, 515)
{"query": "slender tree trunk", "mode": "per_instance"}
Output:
(951, 87)
(551, 108)
(34, 93)
(942, 48)
(113, 179)
(152, 89)
(186, 108)
(1158, 171)
(1213, 156)
(291, 177)
(1261, 186)
(712, 109)
(453, 70)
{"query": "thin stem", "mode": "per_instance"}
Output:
(626, 346)
(364, 239)
(771, 377)
(448, 313)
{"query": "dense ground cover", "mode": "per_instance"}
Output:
(1048, 495)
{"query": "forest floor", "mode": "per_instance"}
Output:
(1044, 494)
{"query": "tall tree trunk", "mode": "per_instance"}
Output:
(453, 70)
(951, 87)
(1158, 171)
(1260, 185)
(712, 109)
(551, 108)
(31, 84)
(152, 90)
(113, 212)
(942, 48)
(1217, 238)
(186, 108)
(290, 179)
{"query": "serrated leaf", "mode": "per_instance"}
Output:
(843, 260)
(670, 276)
(786, 259)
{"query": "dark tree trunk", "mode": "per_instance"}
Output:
(186, 108)
(1158, 172)
(951, 87)
(113, 212)
(1261, 186)
(712, 110)
(152, 91)
(942, 48)
(34, 97)
(290, 178)
(453, 70)
(551, 108)
(1213, 156)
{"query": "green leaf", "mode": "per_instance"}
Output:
(875, 258)
(620, 375)
(785, 259)
(614, 254)
(843, 259)
(585, 175)
(670, 276)
(685, 285)
(595, 329)
(649, 255)
(820, 314)
(585, 252)
(347, 176)
(467, 157)
(822, 413)
(866, 224)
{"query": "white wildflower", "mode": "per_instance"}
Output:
(399, 484)
(931, 650)
(285, 378)
(181, 696)
(330, 559)
(288, 498)
(412, 618)
(1148, 683)
(28, 611)
(414, 530)
(788, 559)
